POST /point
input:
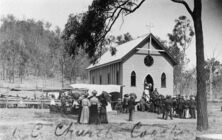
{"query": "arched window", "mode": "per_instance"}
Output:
(133, 79)
(163, 80)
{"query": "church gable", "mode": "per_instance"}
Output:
(155, 48)
(126, 50)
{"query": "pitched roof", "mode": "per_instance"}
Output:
(124, 49)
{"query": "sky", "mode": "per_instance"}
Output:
(160, 13)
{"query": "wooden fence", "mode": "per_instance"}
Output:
(16, 103)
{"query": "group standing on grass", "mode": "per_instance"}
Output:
(179, 106)
(93, 109)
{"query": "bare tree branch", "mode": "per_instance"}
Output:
(185, 4)
(119, 7)
(109, 28)
(134, 9)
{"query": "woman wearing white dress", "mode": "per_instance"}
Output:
(84, 119)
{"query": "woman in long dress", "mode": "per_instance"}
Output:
(84, 119)
(94, 115)
(103, 112)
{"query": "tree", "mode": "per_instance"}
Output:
(211, 66)
(196, 14)
(180, 40)
(29, 47)
(101, 16)
(9, 44)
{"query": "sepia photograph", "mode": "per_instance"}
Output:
(110, 70)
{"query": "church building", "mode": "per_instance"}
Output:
(134, 65)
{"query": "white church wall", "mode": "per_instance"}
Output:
(136, 63)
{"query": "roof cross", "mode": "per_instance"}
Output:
(150, 26)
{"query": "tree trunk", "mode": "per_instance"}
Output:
(13, 67)
(211, 82)
(3, 70)
(70, 78)
(202, 117)
(21, 79)
(62, 75)
(20, 75)
(62, 63)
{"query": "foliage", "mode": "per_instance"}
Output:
(113, 50)
(123, 38)
(118, 40)
(30, 47)
(93, 26)
(180, 39)
(215, 71)
(182, 33)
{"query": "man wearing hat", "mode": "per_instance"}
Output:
(192, 107)
(80, 107)
(131, 106)
(168, 107)
(125, 103)
(181, 106)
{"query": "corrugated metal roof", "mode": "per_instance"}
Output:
(122, 50)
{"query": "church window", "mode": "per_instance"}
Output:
(117, 78)
(100, 79)
(163, 80)
(133, 79)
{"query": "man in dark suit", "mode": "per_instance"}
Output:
(125, 103)
(131, 107)
(80, 108)
(168, 107)
(192, 107)
(181, 103)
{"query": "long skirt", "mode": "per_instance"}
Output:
(187, 114)
(103, 115)
(84, 115)
(94, 115)
(79, 114)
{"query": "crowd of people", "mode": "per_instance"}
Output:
(177, 106)
(93, 109)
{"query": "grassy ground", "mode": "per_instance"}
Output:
(26, 124)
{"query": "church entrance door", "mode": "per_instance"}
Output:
(148, 83)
